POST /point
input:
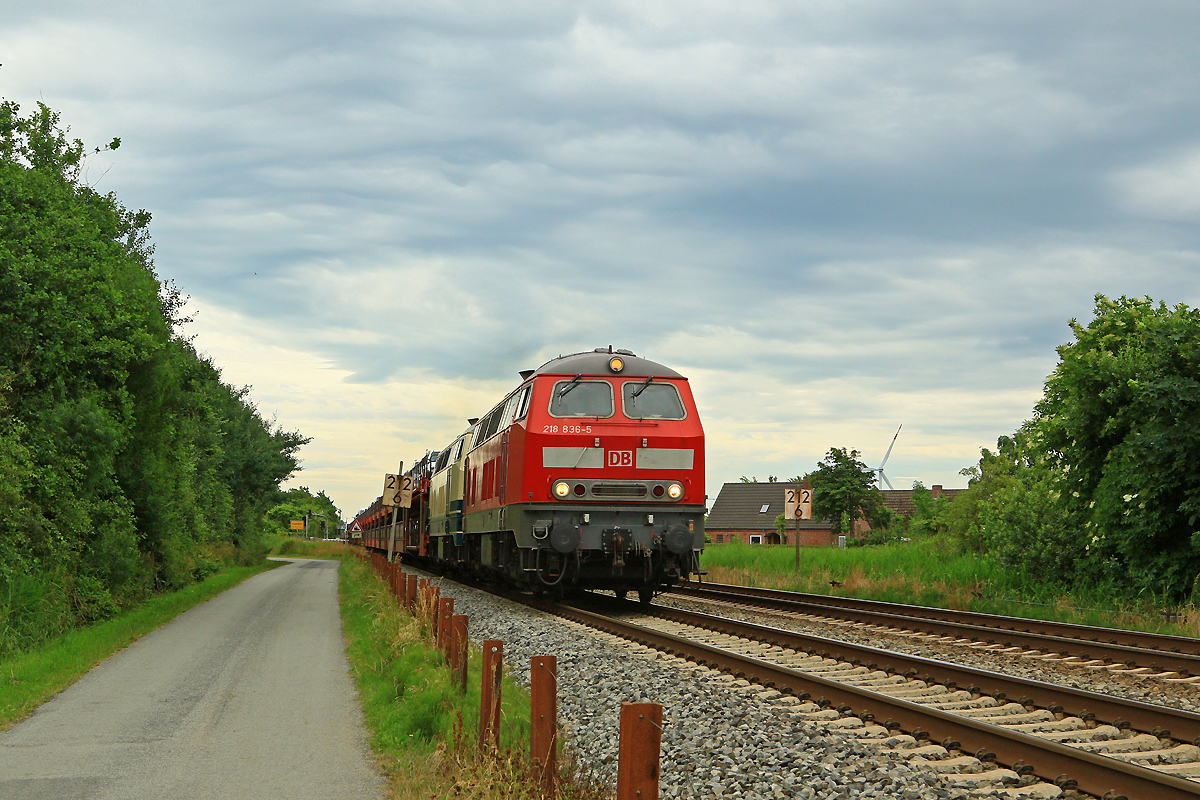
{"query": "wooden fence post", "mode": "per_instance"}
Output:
(543, 722)
(410, 594)
(637, 756)
(489, 694)
(445, 619)
(462, 649)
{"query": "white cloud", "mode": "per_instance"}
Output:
(835, 218)
(1167, 189)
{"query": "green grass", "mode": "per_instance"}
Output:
(29, 679)
(292, 546)
(930, 572)
(423, 727)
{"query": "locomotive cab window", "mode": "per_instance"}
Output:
(523, 403)
(579, 398)
(650, 400)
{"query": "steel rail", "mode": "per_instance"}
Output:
(1140, 650)
(1183, 726)
(1058, 763)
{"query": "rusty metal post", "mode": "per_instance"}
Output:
(543, 722)
(461, 649)
(489, 694)
(445, 619)
(638, 750)
(410, 595)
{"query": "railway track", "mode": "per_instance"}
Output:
(1018, 736)
(1168, 657)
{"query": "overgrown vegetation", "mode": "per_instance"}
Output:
(126, 465)
(1098, 495)
(1101, 488)
(423, 727)
(930, 571)
(324, 519)
(844, 491)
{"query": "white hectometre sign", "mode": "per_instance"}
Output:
(797, 503)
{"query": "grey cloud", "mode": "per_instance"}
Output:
(907, 197)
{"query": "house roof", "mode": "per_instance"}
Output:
(900, 500)
(740, 506)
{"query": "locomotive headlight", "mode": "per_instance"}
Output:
(616, 364)
(675, 491)
(561, 490)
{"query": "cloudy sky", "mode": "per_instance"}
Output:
(834, 217)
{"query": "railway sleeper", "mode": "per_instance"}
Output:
(1141, 741)
(868, 732)
(1182, 770)
(1023, 715)
(1098, 733)
(994, 710)
(1047, 726)
(951, 764)
(1182, 754)
(997, 776)
(972, 703)
(1034, 791)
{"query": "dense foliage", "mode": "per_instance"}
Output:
(1102, 486)
(844, 491)
(299, 503)
(126, 465)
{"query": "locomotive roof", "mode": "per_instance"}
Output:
(596, 363)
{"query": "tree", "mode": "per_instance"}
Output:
(126, 464)
(844, 491)
(296, 503)
(1101, 486)
(1121, 425)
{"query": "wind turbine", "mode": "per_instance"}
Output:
(880, 478)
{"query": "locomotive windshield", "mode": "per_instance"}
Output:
(577, 398)
(652, 401)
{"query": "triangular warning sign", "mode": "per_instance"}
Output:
(355, 528)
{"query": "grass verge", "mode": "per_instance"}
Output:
(29, 679)
(291, 546)
(423, 728)
(931, 572)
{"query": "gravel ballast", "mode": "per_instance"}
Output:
(721, 737)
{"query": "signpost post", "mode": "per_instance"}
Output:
(797, 505)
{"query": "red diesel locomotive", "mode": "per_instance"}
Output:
(588, 475)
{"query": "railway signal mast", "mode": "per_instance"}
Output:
(880, 478)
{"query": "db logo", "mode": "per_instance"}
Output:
(620, 458)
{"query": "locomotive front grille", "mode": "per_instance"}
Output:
(619, 490)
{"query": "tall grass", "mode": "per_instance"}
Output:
(284, 546)
(423, 726)
(933, 572)
(31, 678)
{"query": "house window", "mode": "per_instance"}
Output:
(755, 539)
(763, 510)
(718, 538)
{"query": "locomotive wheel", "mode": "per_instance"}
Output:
(645, 595)
(621, 593)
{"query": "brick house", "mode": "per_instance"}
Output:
(747, 511)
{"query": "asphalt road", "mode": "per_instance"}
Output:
(246, 696)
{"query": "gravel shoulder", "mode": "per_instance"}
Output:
(248, 695)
